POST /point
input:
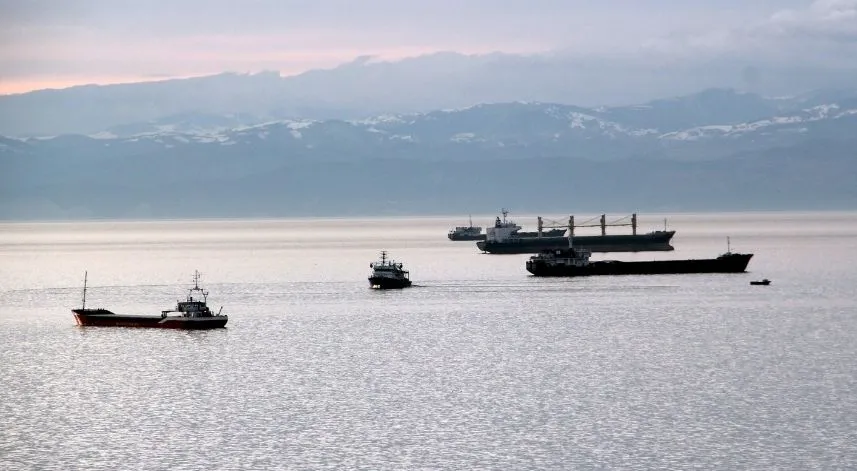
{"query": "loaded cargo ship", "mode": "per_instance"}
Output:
(575, 262)
(191, 314)
(501, 240)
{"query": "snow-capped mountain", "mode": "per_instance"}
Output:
(745, 150)
(794, 122)
(518, 130)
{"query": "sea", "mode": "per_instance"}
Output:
(477, 366)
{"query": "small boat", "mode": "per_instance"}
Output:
(388, 274)
(192, 314)
(764, 282)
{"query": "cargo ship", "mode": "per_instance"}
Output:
(388, 274)
(190, 314)
(575, 262)
(501, 240)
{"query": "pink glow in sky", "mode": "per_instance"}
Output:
(48, 44)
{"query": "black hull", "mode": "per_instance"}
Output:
(658, 241)
(388, 283)
(730, 263)
(105, 318)
(458, 238)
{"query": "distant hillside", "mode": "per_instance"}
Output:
(718, 149)
(709, 125)
(793, 178)
(436, 81)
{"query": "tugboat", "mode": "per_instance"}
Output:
(193, 314)
(387, 274)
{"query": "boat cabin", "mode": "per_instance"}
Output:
(191, 307)
(502, 230)
(573, 257)
(388, 268)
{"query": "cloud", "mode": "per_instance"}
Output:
(127, 38)
(822, 33)
(828, 20)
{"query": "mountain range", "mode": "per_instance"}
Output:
(717, 149)
(367, 87)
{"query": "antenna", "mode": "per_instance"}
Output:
(85, 274)
(728, 245)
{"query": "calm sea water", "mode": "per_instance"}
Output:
(479, 366)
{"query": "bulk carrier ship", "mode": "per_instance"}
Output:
(500, 239)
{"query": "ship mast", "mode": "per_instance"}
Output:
(570, 232)
(196, 287)
(85, 274)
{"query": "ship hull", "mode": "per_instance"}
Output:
(381, 282)
(460, 237)
(652, 242)
(730, 263)
(105, 318)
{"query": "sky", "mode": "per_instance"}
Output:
(55, 44)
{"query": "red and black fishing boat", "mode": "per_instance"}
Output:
(191, 314)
